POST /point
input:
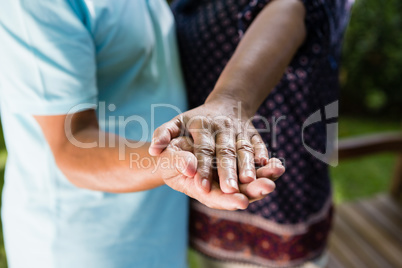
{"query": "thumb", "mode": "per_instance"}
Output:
(185, 163)
(163, 135)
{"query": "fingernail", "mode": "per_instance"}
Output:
(250, 174)
(205, 184)
(279, 164)
(232, 183)
(241, 197)
(277, 176)
(264, 193)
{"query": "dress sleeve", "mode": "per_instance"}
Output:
(316, 16)
(47, 64)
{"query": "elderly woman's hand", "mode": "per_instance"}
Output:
(219, 128)
(180, 174)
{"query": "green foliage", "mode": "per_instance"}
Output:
(3, 157)
(372, 59)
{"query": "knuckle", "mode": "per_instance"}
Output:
(223, 123)
(255, 136)
(257, 140)
(260, 145)
(204, 122)
(178, 119)
(246, 147)
(227, 123)
(198, 124)
(207, 150)
(227, 152)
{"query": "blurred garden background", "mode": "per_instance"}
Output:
(371, 98)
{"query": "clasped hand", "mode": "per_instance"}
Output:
(216, 153)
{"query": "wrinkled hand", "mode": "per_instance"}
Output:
(221, 129)
(179, 152)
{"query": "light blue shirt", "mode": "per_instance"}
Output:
(116, 54)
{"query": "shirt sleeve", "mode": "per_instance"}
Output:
(48, 63)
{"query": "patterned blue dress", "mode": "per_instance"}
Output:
(291, 225)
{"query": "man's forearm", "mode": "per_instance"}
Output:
(109, 168)
(262, 55)
(101, 161)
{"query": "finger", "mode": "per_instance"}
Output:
(215, 198)
(257, 189)
(180, 164)
(227, 163)
(273, 169)
(182, 143)
(260, 150)
(182, 156)
(219, 200)
(245, 159)
(164, 134)
(185, 163)
(204, 150)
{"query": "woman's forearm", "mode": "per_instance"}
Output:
(262, 55)
(254, 69)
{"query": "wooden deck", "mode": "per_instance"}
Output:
(367, 233)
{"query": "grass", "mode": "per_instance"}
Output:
(363, 177)
(352, 179)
